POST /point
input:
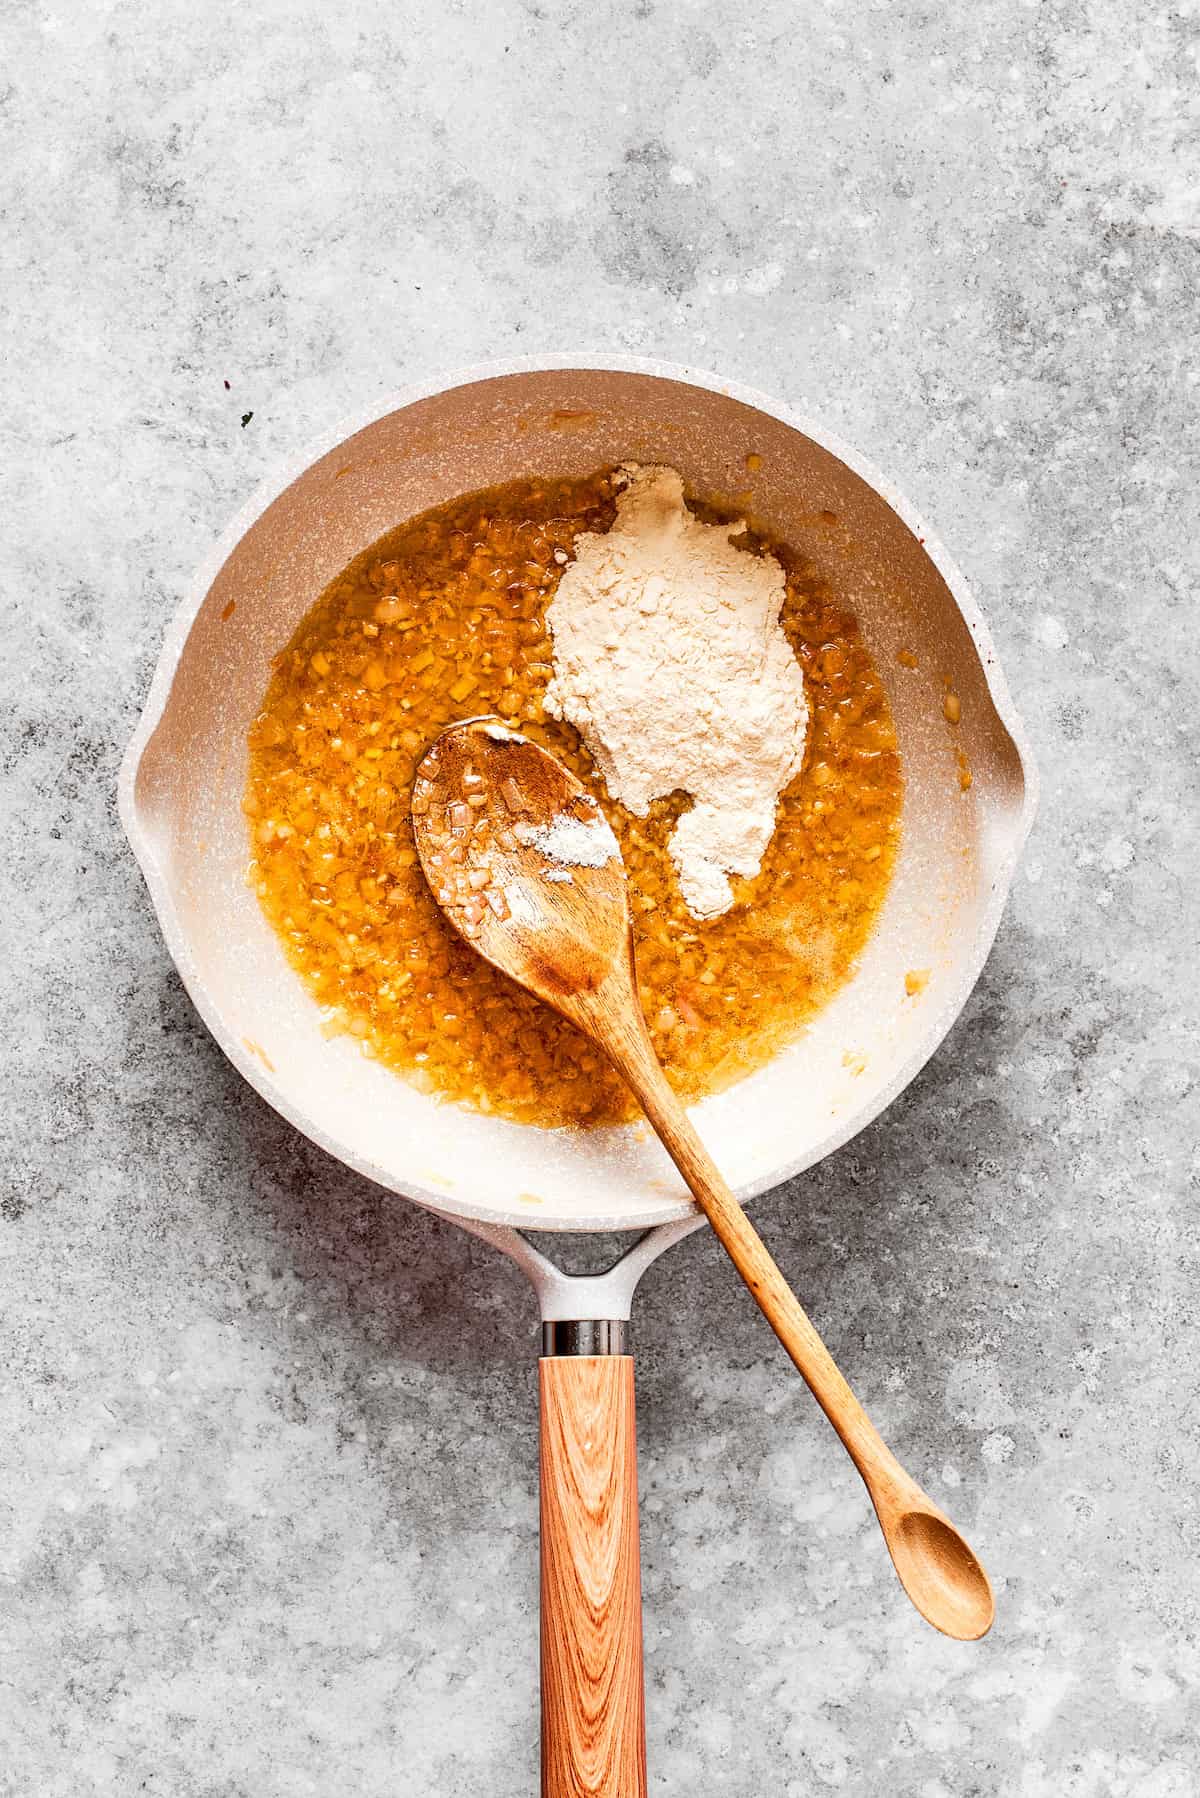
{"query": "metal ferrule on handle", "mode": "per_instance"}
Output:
(585, 1336)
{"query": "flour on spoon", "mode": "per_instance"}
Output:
(574, 842)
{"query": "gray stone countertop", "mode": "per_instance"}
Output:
(268, 1514)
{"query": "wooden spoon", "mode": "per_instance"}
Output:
(522, 860)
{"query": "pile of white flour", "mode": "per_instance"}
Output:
(670, 661)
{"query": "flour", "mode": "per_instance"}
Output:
(670, 661)
(575, 842)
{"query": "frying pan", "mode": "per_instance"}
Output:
(969, 801)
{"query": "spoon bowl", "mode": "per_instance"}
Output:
(557, 926)
(939, 1571)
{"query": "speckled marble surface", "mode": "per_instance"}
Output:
(267, 1523)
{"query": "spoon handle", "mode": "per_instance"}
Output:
(758, 1268)
(934, 1545)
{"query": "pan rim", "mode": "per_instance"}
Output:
(663, 1210)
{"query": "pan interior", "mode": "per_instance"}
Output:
(182, 803)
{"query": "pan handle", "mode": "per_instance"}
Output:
(593, 1700)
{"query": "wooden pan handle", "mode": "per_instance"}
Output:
(593, 1702)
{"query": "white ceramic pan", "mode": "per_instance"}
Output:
(180, 791)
